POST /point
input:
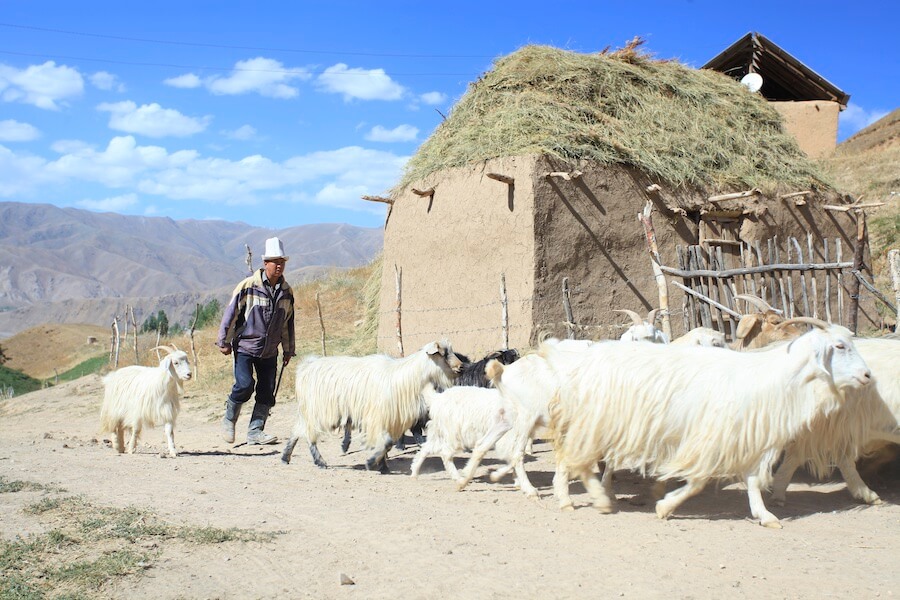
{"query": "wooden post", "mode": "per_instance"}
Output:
(894, 266)
(806, 312)
(827, 284)
(728, 295)
(812, 278)
(567, 308)
(647, 221)
(840, 282)
(780, 276)
(858, 252)
(398, 277)
(249, 259)
(115, 328)
(127, 323)
(137, 360)
(158, 335)
(321, 324)
(504, 311)
(112, 340)
(687, 302)
(191, 337)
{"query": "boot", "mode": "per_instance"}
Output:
(255, 435)
(232, 411)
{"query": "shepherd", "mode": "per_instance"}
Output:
(259, 317)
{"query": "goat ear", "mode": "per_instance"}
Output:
(823, 358)
(432, 348)
(747, 324)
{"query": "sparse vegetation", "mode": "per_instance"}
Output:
(17, 381)
(88, 546)
(88, 367)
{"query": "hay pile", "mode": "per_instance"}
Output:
(684, 126)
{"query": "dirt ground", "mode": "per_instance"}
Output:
(398, 537)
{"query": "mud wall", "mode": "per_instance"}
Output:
(452, 249)
(814, 123)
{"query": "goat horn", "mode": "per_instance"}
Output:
(755, 301)
(651, 316)
(167, 349)
(808, 320)
(634, 316)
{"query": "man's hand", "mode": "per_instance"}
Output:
(285, 360)
(226, 350)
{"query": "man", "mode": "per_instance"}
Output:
(259, 317)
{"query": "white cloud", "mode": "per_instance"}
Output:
(187, 81)
(40, 85)
(854, 117)
(14, 131)
(20, 173)
(336, 177)
(152, 120)
(362, 84)
(262, 76)
(401, 133)
(120, 164)
(107, 81)
(433, 98)
(69, 146)
(244, 132)
(114, 204)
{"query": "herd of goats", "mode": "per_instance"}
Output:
(693, 410)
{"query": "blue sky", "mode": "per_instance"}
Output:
(285, 113)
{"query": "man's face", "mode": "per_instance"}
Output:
(274, 268)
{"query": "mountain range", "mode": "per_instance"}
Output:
(68, 265)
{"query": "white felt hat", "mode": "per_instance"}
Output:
(274, 249)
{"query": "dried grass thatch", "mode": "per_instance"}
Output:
(676, 124)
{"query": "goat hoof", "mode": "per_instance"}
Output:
(776, 524)
(567, 508)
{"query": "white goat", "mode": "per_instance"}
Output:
(137, 396)
(702, 336)
(868, 416)
(528, 385)
(463, 418)
(643, 330)
(696, 413)
(379, 395)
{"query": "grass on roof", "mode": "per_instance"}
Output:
(680, 125)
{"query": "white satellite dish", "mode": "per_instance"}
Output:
(752, 81)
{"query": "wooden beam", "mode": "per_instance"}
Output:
(708, 300)
(505, 179)
(752, 270)
(568, 176)
(734, 196)
(376, 199)
(424, 193)
(849, 207)
(795, 195)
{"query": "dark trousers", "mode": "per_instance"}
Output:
(266, 370)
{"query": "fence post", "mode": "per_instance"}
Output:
(115, 328)
(191, 336)
(567, 307)
(504, 311)
(853, 317)
(398, 277)
(894, 264)
(137, 359)
(322, 324)
(647, 221)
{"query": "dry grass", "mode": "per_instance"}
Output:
(42, 350)
(87, 547)
(685, 126)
